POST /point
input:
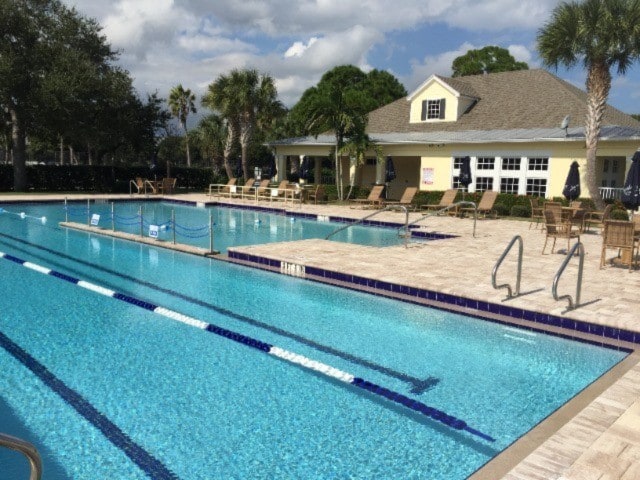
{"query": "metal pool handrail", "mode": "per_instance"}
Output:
(377, 212)
(447, 208)
(28, 450)
(494, 273)
(554, 289)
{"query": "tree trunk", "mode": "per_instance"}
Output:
(227, 153)
(72, 158)
(61, 151)
(245, 137)
(598, 86)
(18, 143)
(89, 156)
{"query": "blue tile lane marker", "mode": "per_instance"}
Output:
(153, 467)
(291, 357)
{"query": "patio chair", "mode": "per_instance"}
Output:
(446, 201)
(485, 205)
(536, 211)
(405, 200)
(220, 189)
(373, 200)
(167, 186)
(618, 234)
(277, 193)
(598, 218)
(317, 194)
(557, 228)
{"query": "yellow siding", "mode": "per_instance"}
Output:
(435, 91)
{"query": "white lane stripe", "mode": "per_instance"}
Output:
(311, 364)
(96, 288)
(194, 322)
(37, 268)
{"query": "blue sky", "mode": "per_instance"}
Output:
(192, 42)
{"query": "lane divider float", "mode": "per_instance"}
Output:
(294, 358)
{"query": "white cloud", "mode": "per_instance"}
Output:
(298, 48)
(439, 64)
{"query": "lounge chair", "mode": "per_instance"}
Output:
(485, 205)
(256, 191)
(618, 234)
(220, 189)
(244, 189)
(277, 193)
(446, 201)
(557, 228)
(405, 200)
(537, 213)
(373, 200)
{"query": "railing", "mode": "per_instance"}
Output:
(494, 274)
(405, 235)
(554, 289)
(28, 450)
(445, 209)
(611, 193)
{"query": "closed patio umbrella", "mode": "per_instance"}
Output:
(389, 170)
(270, 169)
(631, 191)
(465, 174)
(305, 168)
(571, 190)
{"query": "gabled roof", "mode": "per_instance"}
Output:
(523, 99)
(457, 88)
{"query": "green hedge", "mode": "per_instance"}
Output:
(102, 179)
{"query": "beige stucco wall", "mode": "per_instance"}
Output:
(439, 158)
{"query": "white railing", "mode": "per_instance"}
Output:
(610, 193)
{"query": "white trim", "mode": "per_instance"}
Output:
(433, 78)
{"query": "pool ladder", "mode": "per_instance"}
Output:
(573, 304)
(28, 450)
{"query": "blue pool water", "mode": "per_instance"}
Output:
(231, 226)
(89, 378)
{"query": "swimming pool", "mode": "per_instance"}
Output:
(232, 226)
(90, 379)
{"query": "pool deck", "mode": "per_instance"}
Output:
(596, 436)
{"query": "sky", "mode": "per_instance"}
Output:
(163, 43)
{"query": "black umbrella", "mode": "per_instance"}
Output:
(238, 171)
(305, 168)
(465, 172)
(389, 170)
(631, 191)
(571, 189)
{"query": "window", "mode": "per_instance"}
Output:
(457, 162)
(484, 183)
(486, 163)
(457, 184)
(432, 109)
(539, 164)
(537, 187)
(509, 185)
(614, 167)
(511, 163)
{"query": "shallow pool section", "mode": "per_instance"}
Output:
(231, 226)
(91, 377)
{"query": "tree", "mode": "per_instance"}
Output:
(489, 59)
(246, 99)
(340, 103)
(601, 34)
(181, 103)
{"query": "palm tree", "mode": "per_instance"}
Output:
(247, 100)
(601, 34)
(211, 134)
(181, 103)
(221, 98)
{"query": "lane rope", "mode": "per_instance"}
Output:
(292, 357)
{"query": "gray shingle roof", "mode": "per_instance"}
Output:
(524, 99)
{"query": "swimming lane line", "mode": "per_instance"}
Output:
(301, 360)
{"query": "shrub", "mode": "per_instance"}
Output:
(618, 214)
(522, 211)
(501, 209)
